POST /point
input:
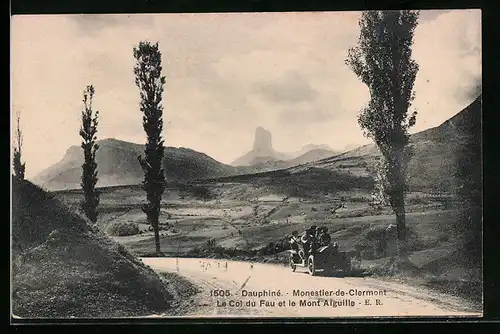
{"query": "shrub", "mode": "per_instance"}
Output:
(359, 199)
(376, 233)
(122, 229)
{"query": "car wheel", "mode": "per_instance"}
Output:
(311, 265)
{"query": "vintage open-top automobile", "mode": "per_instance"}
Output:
(327, 260)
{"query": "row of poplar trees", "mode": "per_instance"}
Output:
(150, 83)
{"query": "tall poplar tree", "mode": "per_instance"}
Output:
(150, 83)
(383, 61)
(88, 131)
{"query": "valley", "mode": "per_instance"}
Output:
(245, 213)
(243, 221)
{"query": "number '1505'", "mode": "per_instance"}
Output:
(220, 293)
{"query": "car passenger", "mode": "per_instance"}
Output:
(308, 239)
(294, 241)
(324, 237)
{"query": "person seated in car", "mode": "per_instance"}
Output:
(309, 239)
(294, 241)
(315, 236)
(305, 240)
(319, 232)
(324, 237)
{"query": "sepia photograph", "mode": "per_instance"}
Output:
(247, 165)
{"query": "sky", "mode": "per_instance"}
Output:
(226, 74)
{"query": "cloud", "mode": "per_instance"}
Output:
(473, 91)
(448, 50)
(226, 74)
(291, 88)
(302, 113)
(94, 24)
(429, 15)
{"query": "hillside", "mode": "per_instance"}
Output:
(64, 268)
(435, 152)
(118, 165)
(266, 164)
(312, 155)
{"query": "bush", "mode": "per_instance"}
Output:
(203, 193)
(376, 233)
(417, 200)
(359, 199)
(122, 229)
(200, 192)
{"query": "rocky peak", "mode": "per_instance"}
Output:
(263, 141)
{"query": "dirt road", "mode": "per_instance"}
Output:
(243, 289)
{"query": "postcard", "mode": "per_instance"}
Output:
(247, 165)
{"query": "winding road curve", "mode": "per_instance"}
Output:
(300, 294)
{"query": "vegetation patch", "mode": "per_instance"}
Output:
(122, 229)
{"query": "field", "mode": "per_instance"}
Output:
(246, 217)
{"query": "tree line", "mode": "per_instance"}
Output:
(382, 60)
(148, 79)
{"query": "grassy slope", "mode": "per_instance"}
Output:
(65, 268)
(434, 163)
(197, 221)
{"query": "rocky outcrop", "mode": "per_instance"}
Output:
(263, 142)
(262, 150)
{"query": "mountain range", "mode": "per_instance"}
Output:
(433, 164)
(118, 164)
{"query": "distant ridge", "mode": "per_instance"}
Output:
(118, 165)
(433, 164)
